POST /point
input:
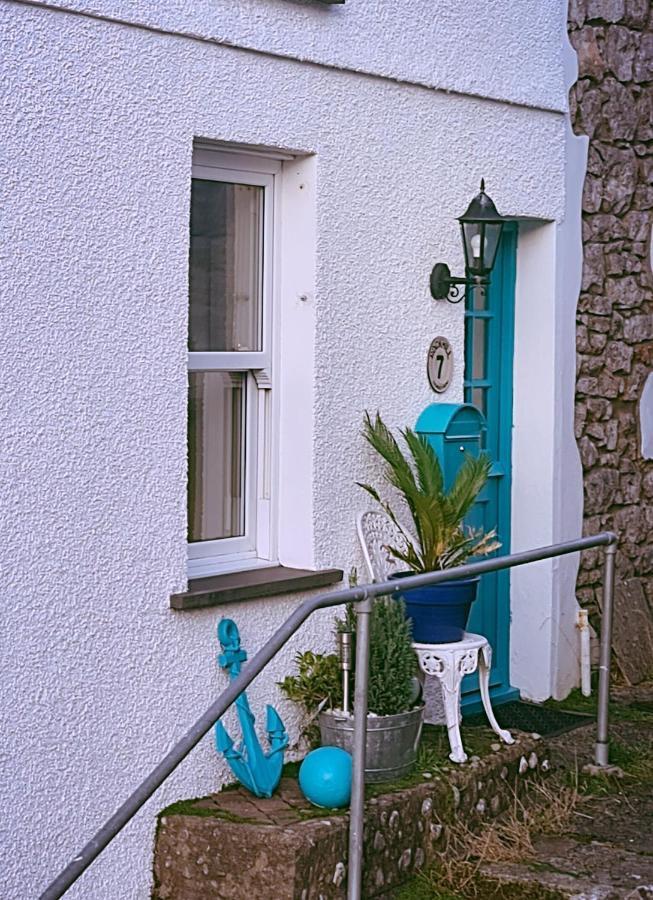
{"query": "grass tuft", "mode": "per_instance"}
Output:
(548, 808)
(618, 712)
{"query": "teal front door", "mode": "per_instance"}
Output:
(489, 336)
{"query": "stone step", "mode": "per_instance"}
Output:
(565, 867)
(231, 845)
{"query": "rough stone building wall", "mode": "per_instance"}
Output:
(612, 103)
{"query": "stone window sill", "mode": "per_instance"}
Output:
(253, 584)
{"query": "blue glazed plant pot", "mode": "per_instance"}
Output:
(439, 612)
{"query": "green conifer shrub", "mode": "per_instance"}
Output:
(392, 659)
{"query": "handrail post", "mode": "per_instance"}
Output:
(357, 806)
(601, 749)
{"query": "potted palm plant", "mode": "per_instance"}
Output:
(440, 539)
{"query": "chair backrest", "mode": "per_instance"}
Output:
(375, 532)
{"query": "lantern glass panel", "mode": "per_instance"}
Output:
(492, 236)
(481, 240)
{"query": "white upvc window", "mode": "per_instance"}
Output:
(231, 378)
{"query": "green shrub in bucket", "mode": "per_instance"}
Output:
(440, 539)
(394, 722)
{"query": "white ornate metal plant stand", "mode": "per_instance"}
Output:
(449, 663)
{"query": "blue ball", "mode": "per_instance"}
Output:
(325, 777)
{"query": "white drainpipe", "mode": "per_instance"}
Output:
(583, 625)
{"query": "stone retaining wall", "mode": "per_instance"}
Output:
(612, 103)
(232, 845)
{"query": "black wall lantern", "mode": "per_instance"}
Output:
(481, 228)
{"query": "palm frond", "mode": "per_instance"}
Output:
(457, 553)
(398, 471)
(372, 491)
(410, 556)
(468, 483)
(486, 543)
(427, 464)
(441, 541)
(431, 526)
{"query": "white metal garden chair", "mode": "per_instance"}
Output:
(375, 532)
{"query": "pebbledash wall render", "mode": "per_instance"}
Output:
(392, 124)
(612, 104)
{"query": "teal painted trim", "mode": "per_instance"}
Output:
(477, 382)
(485, 315)
(507, 350)
(473, 704)
(505, 296)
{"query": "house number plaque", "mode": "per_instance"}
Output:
(439, 364)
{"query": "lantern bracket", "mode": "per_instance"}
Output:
(445, 286)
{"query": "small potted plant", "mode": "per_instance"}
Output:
(394, 723)
(316, 686)
(441, 541)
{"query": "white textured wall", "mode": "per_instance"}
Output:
(508, 51)
(547, 497)
(99, 122)
(532, 625)
(568, 484)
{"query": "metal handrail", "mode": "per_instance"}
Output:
(361, 596)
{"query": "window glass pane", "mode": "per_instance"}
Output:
(478, 348)
(225, 266)
(479, 296)
(216, 449)
(479, 399)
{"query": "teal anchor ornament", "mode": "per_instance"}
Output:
(259, 772)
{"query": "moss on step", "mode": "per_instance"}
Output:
(432, 759)
(422, 889)
(488, 889)
(192, 808)
(425, 887)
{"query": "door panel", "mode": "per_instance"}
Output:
(489, 332)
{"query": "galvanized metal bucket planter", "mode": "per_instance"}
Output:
(392, 741)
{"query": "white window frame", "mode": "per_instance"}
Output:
(258, 546)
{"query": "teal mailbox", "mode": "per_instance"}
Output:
(452, 429)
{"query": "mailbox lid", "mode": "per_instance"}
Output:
(454, 421)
